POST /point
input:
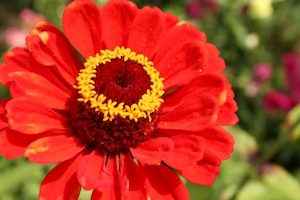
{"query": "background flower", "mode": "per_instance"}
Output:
(15, 36)
(280, 101)
(201, 8)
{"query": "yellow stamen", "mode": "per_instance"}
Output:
(147, 104)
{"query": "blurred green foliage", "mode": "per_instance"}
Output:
(265, 164)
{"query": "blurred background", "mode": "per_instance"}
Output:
(260, 42)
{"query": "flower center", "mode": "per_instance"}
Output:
(122, 73)
(116, 102)
(122, 82)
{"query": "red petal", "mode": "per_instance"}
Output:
(61, 182)
(146, 31)
(217, 141)
(50, 48)
(182, 64)
(42, 90)
(30, 116)
(3, 122)
(128, 182)
(96, 195)
(214, 140)
(53, 149)
(65, 50)
(115, 192)
(204, 173)
(187, 151)
(170, 20)
(135, 179)
(118, 16)
(177, 36)
(2, 106)
(83, 26)
(19, 59)
(226, 115)
(3, 119)
(215, 64)
(188, 111)
(90, 169)
(13, 144)
(164, 184)
(153, 151)
(214, 85)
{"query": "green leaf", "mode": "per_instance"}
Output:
(256, 190)
(4, 92)
(278, 179)
(293, 123)
(84, 194)
(17, 175)
(199, 192)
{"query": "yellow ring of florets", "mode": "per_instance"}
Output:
(147, 104)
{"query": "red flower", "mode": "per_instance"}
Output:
(147, 103)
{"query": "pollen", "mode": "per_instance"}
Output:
(149, 102)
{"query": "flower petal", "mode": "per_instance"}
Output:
(128, 182)
(135, 178)
(61, 182)
(13, 144)
(53, 149)
(50, 48)
(190, 111)
(163, 184)
(19, 59)
(214, 85)
(292, 70)
(217, 141)
(204, 173)
(173, 38)
(96, 195)
(36, 86)
(153, 151)
(214, 140)
(29, 116)
(90, 169)
(118, 16)
(215, 64)
(3, 122)
(278, 101)
(3, 119)
(170, 20)
(187, 152)
(116, 191)
(146, 31)
(182, 63)
(82, 25)
(226, 115)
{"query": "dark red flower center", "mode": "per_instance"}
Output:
(117, 101)
(122, 81)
